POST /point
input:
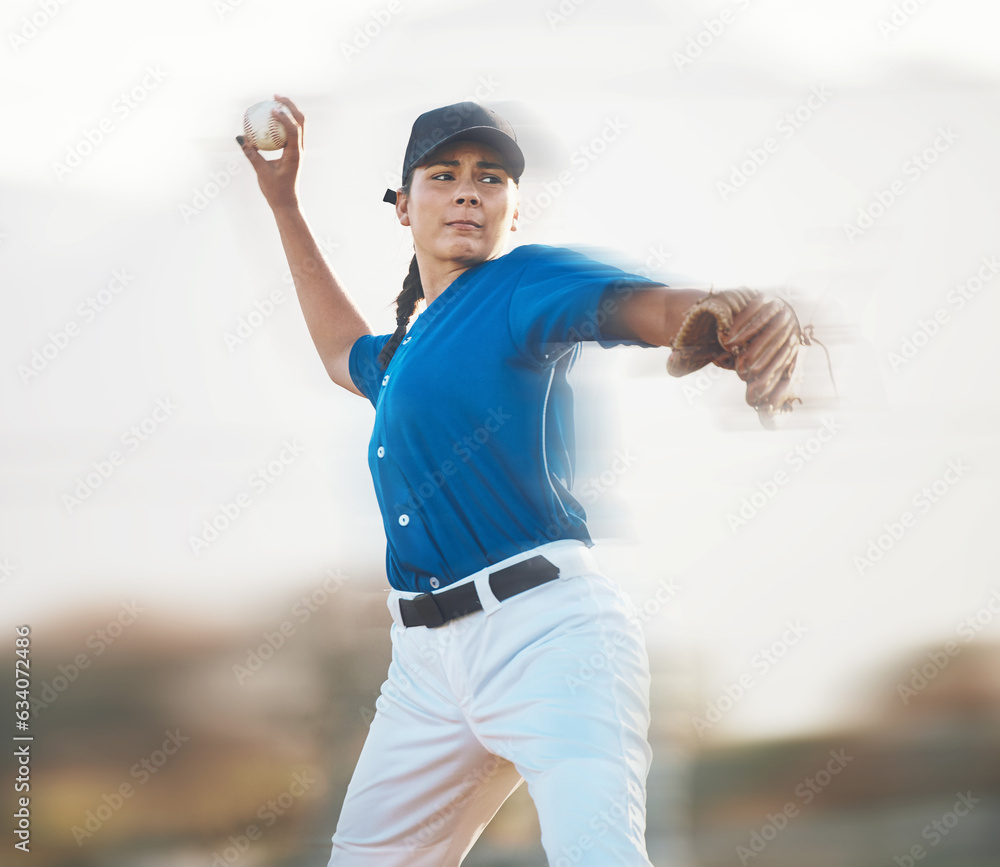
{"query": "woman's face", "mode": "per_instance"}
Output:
(461, 205)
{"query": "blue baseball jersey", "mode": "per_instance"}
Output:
(472, 450)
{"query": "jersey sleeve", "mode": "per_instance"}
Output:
(364, 367)
(563, 297)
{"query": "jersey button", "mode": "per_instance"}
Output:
(435, 583)
(385, 379)
(404, 520)
(380, 452)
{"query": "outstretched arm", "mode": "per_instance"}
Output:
(333, 319)
(740, 329)
(652, 315)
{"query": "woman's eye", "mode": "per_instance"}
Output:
(450, 176)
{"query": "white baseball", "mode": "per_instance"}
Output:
(261, 130)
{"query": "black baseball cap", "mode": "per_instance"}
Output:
(466, 121)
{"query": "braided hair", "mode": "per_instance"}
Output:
(406, 300)
(406, 305)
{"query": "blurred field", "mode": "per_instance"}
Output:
(230, 753)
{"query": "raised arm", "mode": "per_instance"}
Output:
(333, 319)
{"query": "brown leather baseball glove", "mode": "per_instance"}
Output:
(754, 334)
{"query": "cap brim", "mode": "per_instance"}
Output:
(499, 141)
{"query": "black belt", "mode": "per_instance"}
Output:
(436, 609)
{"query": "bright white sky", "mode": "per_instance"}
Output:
(144, 201)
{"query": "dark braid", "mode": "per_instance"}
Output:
(406, 305)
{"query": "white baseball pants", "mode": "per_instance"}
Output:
(550, 687)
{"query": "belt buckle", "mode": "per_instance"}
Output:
(427, 610)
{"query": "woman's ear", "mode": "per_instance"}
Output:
(401, 205)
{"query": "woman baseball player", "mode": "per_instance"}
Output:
(498, 606)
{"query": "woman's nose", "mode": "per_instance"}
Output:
(466, 195)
